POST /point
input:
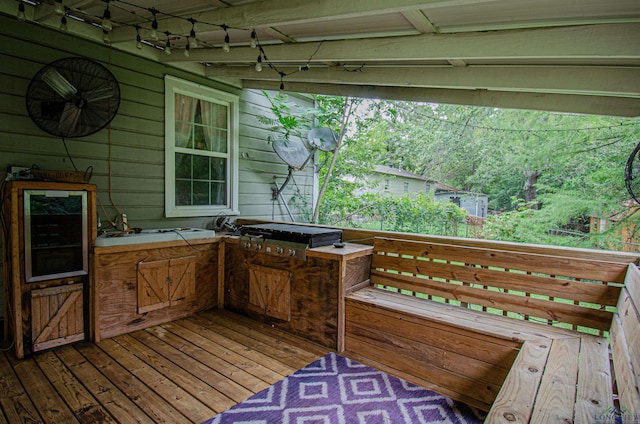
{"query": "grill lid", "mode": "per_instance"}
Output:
(312, 236)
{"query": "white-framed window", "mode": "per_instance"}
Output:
(201, 150)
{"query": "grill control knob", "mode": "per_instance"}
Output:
(258, 246)
(247, 245)
(279, 250)
(291, 252)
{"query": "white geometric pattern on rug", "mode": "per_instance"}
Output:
(338, 390)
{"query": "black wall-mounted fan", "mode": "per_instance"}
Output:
(73, 97)
(632, 174)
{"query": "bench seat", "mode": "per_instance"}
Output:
(495, 329)
(482, 359)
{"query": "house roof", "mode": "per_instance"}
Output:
(562, 55)
(388, 170)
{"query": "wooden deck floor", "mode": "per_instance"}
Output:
(180, 372)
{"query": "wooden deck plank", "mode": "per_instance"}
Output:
(14, 401)
(251, 353)
(169, 390)
(159, 410)
(121, 407)
(149, 376)
(556, 395)
(202, 359)
(213, 346)
(275, 349)
(50, 405)
(593, 376)
(516, 399)
(174, 361)
(83, 405)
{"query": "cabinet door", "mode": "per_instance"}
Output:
(182, 279)
(270, 292)
(57, 316)
(153, 285)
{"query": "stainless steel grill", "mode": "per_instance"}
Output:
(286, 240)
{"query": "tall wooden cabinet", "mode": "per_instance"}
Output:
(48, 229)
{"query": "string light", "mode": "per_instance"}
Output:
(138, 38)
(167, 46)
(106, 19)
(154, 24)
(191, 40)
(59, 7)
(21, 16)
(226, 47)
(63, 24)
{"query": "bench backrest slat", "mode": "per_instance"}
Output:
(542, 288)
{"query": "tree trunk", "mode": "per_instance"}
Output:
(531, 179)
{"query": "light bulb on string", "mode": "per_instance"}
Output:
(59, 7)
(259, 63)
(187, 47)
(167, 46)
(254, 39)
(106, 19)
(63, 24)
(226, 47)
(138, 38)
(193, 42)
(21, 16)
(105, 37)
(154, 24)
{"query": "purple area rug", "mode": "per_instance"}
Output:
(337, 390)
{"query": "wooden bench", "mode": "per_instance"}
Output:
(515, 333)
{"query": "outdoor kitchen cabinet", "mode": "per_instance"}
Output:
(141, 285)
(165, 283)
(305, 297)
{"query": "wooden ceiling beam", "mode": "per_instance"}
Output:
(596, 105)
(603, 81)
(580, 42)
(272, 13)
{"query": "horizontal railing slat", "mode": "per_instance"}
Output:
(543, 309)
(581, 291)
(530, 262)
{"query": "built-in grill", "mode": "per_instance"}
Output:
(286, 240)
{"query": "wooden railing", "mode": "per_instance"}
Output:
(575, 293)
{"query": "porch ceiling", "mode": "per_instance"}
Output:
(564, 55)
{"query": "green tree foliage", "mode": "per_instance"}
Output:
(578, 160)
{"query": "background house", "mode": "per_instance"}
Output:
(398, 182)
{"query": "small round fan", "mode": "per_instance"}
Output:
(632, 174)
(73, 97)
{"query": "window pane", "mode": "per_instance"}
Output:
(217, 139)
(218, 169)
(183, 193)
(201, 193)
(218, 194)
(200, 167)
(183, 166)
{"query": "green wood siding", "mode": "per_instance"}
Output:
(135, 139)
